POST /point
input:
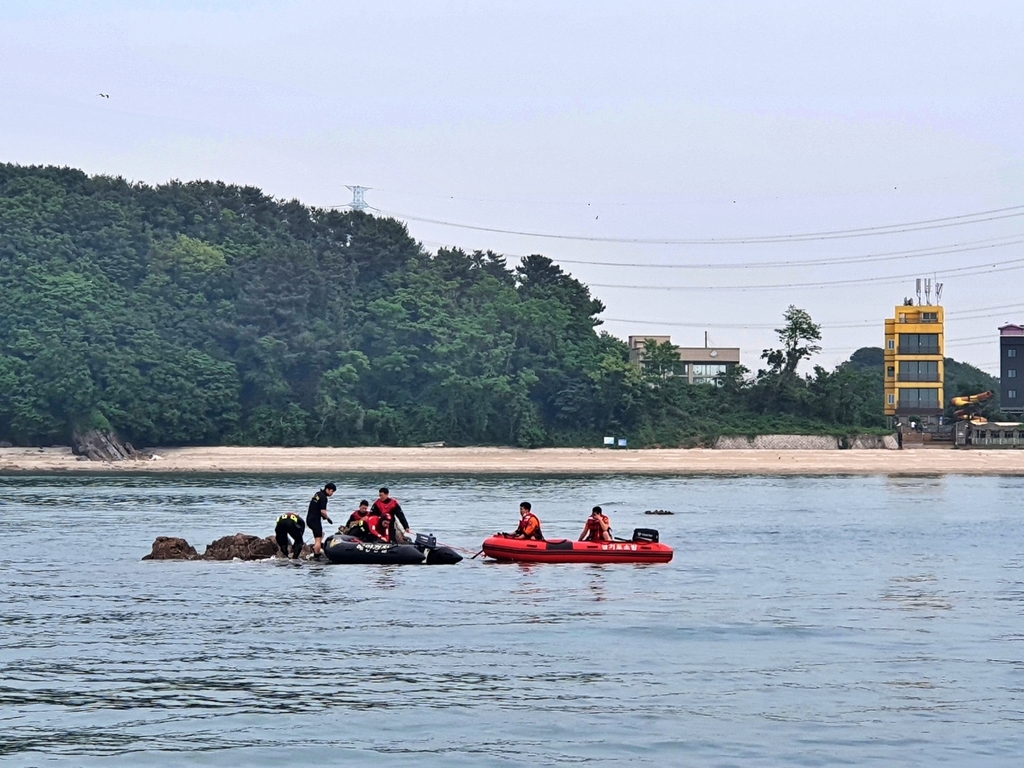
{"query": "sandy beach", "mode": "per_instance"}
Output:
(334, 461)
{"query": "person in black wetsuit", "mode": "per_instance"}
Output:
(289, 525)
(317, 513)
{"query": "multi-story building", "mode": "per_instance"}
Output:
(1011, 370)
(700, 365)
(914, 353)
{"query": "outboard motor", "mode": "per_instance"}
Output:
(645, 534)
(425, 541)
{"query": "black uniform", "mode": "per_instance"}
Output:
(289, 525)
(313, 518)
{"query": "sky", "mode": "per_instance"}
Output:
(700, 165)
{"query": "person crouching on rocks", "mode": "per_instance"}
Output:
(289, 525)
(317, 513)
(598, 527)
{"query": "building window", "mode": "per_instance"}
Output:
(892, 399)
(1011, 373)
(919, 398)
(919, 343)
(1011, 394)
(929, 317)
(890, 371)
(1011, 353)
(892, 344)
(919, 370)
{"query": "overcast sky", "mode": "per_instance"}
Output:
(602, 123)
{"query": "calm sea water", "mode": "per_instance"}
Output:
(804, 621)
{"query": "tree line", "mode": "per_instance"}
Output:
(207, 313)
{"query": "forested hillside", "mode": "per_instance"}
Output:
(209, 313)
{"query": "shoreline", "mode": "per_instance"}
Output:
(523, 461)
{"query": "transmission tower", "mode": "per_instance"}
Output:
(358, 201)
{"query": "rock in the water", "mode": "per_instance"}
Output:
(658, 512)
(243, 546)
(171, 548)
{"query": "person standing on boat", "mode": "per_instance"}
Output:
(529, 524)
(317, 513)
(388, 509)
(597, 528)
(289, 525)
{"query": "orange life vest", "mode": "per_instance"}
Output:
(594, 528)
(529, 527)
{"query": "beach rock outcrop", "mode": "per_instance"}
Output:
(104, 445)
(172, 548)
(242, 546)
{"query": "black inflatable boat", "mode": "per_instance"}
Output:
(340, 548)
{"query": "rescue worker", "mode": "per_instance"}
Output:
(377, 528)
(529, 524)
(317, 513)
(289, 524)
(364, 525)
(597, 528)
(360, 514)
(388, 509)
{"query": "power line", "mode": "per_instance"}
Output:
(768, 326)
(884, 229)
(973, 245)
(893, 255)
(978, 269)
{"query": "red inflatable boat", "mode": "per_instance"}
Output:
(644, 548)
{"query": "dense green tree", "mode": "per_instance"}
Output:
(202, 312)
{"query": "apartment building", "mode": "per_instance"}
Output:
(1011, 370)
(914, 372)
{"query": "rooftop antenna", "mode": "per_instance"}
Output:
(919, 291)
(358, 200)
(928, 291)
(938, 292)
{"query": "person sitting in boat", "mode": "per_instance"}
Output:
(370, 528)
(529, 524)
(390, 510)
(597, 528)
(360, 514)
(289, 525)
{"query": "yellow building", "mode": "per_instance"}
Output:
(914, 371)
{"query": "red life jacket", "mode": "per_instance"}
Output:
(358, 515)
(386, 507)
